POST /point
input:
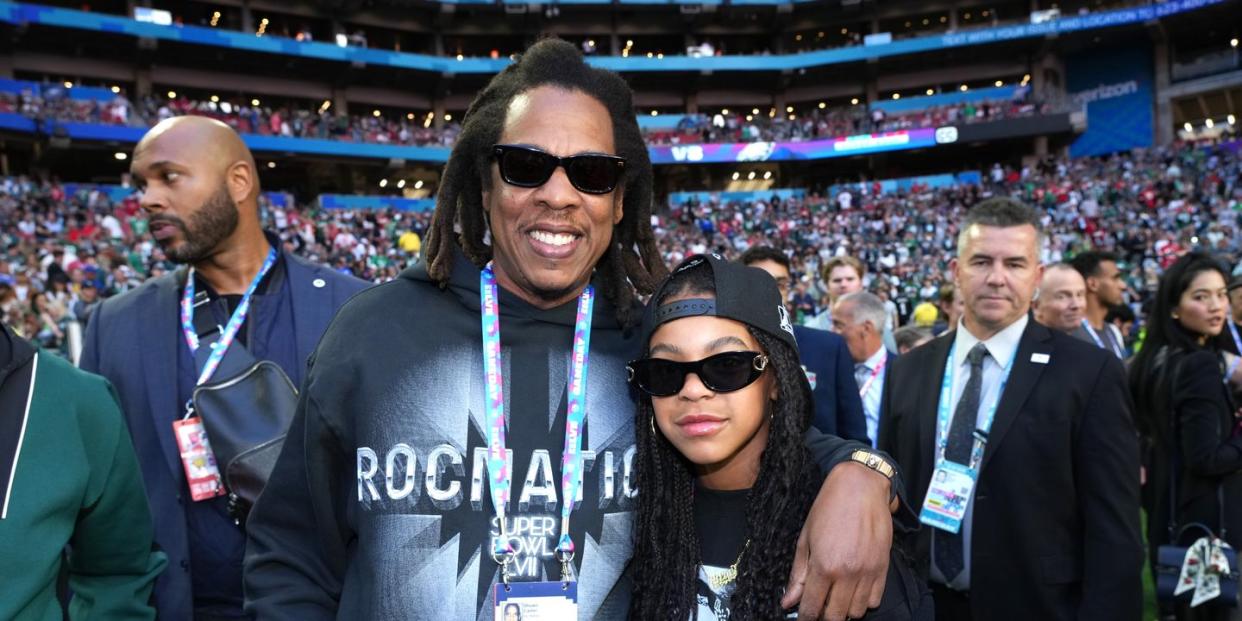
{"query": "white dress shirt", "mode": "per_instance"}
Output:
(1001, 348)
(871, 398)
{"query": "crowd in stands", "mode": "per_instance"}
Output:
(755, 125)
(53, 105)
(60, 254)
(244, 116)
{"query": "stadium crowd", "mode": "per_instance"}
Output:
(63, 253)
(754, 125)
(52, 105)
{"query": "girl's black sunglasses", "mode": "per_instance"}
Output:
(528, 167)
(725, 372)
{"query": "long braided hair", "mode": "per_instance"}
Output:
(632, 260)
(666, 546)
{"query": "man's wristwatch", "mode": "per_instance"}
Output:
(873, 461)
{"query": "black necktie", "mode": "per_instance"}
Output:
(949, 557)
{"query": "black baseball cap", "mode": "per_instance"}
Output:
(745, 294)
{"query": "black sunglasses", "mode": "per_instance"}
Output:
(528, 167)
(725, 372)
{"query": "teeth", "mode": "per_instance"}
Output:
(552, 239)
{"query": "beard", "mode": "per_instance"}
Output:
(212, 223)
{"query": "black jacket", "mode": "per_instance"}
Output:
(379, 505)
(1056, 513)
(1201, 437)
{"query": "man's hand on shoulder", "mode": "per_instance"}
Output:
(841, 562)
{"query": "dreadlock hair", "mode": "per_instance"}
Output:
(666, 546)
(632, 260)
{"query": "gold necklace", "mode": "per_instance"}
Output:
(725, 578)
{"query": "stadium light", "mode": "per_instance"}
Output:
(254, 102)
(1231, 119)
(736, 175)
(1209, 123)
(1188, 127)
(896, 96)
(460, 57)
(964, 88)
(844, 31)
(650, 55)
(724, 111)
(271, 164)
(418, 185)
(854, 101)
(754, 111)
(120, 155)
(327, 103)
(822, 105)
(342, 40)
(767, 175)
(448, 117)
(116, 89)
(375, 113)
(383, 183)
(591, 42)
(749, 117)
(262, 27)
(797, 37)
(788, 108)
(655, 113)
(629, 43)
(931, 92)
(793, 117)
(215, 19)
(660, 56)
(172, 94)
(68, 84)
(401, 184)
(1233, 42)
(409, 117)
(215, 99)
(1000, 83)
(751, 176)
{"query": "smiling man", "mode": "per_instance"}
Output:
(1018, 441)
(470, 423)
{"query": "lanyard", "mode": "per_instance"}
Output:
(1086, 325)
(499, 477)
(229, 333)
(866, 387)
(944, 413)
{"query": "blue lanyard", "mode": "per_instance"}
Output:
(944, 413)
(229, 334)
(1086, 325)
(499, 477)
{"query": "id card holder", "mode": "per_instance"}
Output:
(536, 601)
(948, 495)
(201, 471)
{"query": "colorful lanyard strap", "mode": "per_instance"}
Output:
(866, 387)
(944, 412)
(229, 333)
(499, 476)
(1086, 325)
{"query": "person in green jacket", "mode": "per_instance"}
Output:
(70, 494)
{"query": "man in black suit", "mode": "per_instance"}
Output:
(826, 360)
(200, 188)
(1050, 526)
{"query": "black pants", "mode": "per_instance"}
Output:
(950, 605)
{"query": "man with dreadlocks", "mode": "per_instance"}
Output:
(421, 470)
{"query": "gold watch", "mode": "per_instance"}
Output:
(873, 461)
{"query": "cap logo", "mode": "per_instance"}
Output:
(689, 264)
(785, 325)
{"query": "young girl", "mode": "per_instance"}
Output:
(725, 480)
